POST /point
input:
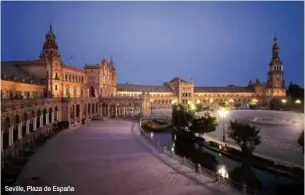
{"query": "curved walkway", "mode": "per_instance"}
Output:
(110, 157)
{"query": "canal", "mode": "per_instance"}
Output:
(267, 182)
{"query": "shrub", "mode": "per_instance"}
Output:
(237, 105)
(275, 104)
(245, 135)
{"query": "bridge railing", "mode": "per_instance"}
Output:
(199, 169)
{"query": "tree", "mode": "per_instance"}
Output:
(275, 104)
(301, 140)
(237, 105)
(295, 92)
(207, 108)
(244, 174)
(199, 108)
(245, 135)
(252, 106)
(222, 103)
(184, 117)
(205, 124)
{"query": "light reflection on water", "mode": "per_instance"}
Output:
(213, 160)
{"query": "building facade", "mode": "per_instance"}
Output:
(45, 91)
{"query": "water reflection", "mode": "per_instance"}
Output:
(186, 148)
(246, 175)
(225, 166)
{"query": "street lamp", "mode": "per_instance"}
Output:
(223, 113)
(298, 101)
(192, 107)
(284, 101)
(173, 102)
(222, 171)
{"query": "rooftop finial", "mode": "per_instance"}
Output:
(51, 29)
(111, 58)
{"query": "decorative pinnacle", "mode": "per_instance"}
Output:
(51, 29)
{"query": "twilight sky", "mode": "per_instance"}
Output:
(215, 43)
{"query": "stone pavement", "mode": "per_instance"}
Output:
(111, 158)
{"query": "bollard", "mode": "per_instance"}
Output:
(244, 189)
(199, 168)
(218, 177)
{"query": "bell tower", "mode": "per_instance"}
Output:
(50, 54)
(50, 47)
(276, 80)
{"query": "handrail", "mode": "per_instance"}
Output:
(199, 169)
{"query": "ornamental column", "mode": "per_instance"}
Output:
(108, 110)
(116, 111)
(11, 135)
(52, 117)
(41, 120)
(34, 123)
(27, 127)
(47, 118)
(20, 130)
(101, 111)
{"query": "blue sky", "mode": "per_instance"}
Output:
(215, 43)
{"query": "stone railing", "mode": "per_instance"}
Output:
(23, 102)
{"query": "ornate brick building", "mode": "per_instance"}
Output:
(39, 93)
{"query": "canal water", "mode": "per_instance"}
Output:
(266, 182)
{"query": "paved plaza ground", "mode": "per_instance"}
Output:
(278, 141)
(112, 158)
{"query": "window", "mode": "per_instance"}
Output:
(55, 87)
(56, 75)
(69, 77)
(75, 91)
(66, 77)
(67, 91)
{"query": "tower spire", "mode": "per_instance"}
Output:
(51, 28)
(275, 49)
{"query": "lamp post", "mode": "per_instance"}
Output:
(222, 171)
(223, 113)
(231, 101)
(298, 101)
